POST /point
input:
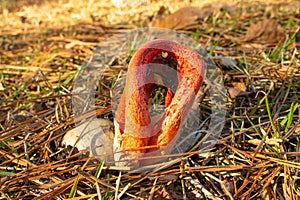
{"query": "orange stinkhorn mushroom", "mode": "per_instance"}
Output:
(136, 133)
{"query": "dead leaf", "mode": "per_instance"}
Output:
(264, 32)
(189, 15)
(239, 85)
(235, 92)
(181, 18)
(95, 135)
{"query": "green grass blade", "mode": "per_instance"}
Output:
(3, 173)
(275, 133)
(99, 169)
(289, 117)
(73, 189)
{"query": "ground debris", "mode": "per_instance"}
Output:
(42, 47)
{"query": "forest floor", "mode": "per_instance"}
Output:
(255, 46)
